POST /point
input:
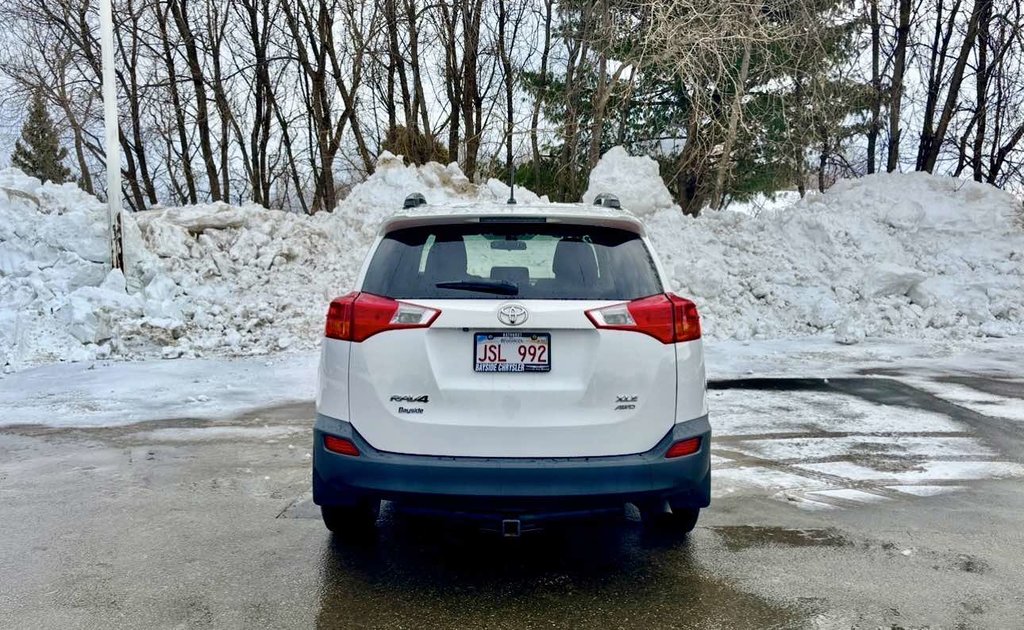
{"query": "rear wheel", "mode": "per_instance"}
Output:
(357, 520)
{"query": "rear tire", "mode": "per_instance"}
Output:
(680, 521)
(352, 521)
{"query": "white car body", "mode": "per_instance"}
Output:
(568, 412)
(415, 393)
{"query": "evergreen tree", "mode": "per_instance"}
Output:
(38, 153)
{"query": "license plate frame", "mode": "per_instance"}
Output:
(528, 368)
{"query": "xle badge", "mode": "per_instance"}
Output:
(625, 403)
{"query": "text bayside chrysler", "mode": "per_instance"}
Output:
(512, 365)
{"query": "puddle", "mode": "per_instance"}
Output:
(572, 577)
(740, 537)
(1002, 387)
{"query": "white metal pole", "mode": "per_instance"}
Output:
(113, 140)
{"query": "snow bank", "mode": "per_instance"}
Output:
(911, 256)
(890, 255)
(57, 300)
(211, 279)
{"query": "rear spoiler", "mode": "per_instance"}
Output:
(616, 220)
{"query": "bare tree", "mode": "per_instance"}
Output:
(930, 153)
(874, 123)
(896, 91)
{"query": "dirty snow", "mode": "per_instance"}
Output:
(889, 256)
(923, 472)
(906, 256)
(94, 394)
(196, 434)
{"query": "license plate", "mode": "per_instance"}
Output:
(511, 352)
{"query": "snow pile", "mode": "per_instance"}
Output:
(57, 300)
(356, 219)
(248, 280)
(634, 180)
(907, 255)
(890, 255)
(242, 280)
(200, 280)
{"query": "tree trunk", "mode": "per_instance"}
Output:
(603, 90)
(506, 66)
(179, 111)
(179, 11)
(981, 91)
(725, 161)
(936, 74)
(899, 67)
(472, 14)
(876, 86)
(448, 30)
(419, 99)
(541, 97)
(955, 81)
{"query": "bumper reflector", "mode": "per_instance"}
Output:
(683, 447)
(340, 446)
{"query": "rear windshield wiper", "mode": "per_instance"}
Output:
(498, 287)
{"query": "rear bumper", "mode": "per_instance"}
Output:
(512, 486)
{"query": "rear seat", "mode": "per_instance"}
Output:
(574, 266)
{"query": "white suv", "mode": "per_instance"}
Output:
(512, 364)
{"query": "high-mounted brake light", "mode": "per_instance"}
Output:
(666, 317)
(359, 316)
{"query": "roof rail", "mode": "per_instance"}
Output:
(414, 200)
(607, 200)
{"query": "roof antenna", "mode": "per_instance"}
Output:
(511, 184)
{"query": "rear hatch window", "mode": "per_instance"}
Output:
(514, 260)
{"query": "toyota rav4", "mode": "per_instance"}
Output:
(512, 365)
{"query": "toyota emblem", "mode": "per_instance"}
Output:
(513, 314)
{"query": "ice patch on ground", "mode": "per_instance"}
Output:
(198, 434)
(756, 412)
(924, 471)
(89, 394)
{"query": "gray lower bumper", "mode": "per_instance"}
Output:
(511, 484)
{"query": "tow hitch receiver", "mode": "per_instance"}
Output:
(510, 528)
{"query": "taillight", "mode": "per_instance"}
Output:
(666, 317)
(359, 316)
(341, 446)
(683, 447)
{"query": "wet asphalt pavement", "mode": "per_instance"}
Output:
(208, 524)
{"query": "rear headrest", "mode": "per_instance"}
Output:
(446, 260)
(574, 262)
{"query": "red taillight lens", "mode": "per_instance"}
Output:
(359, 316)
(339, 317)
(666, 317)
(340, 446)
(686, 318)
(683, 447)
